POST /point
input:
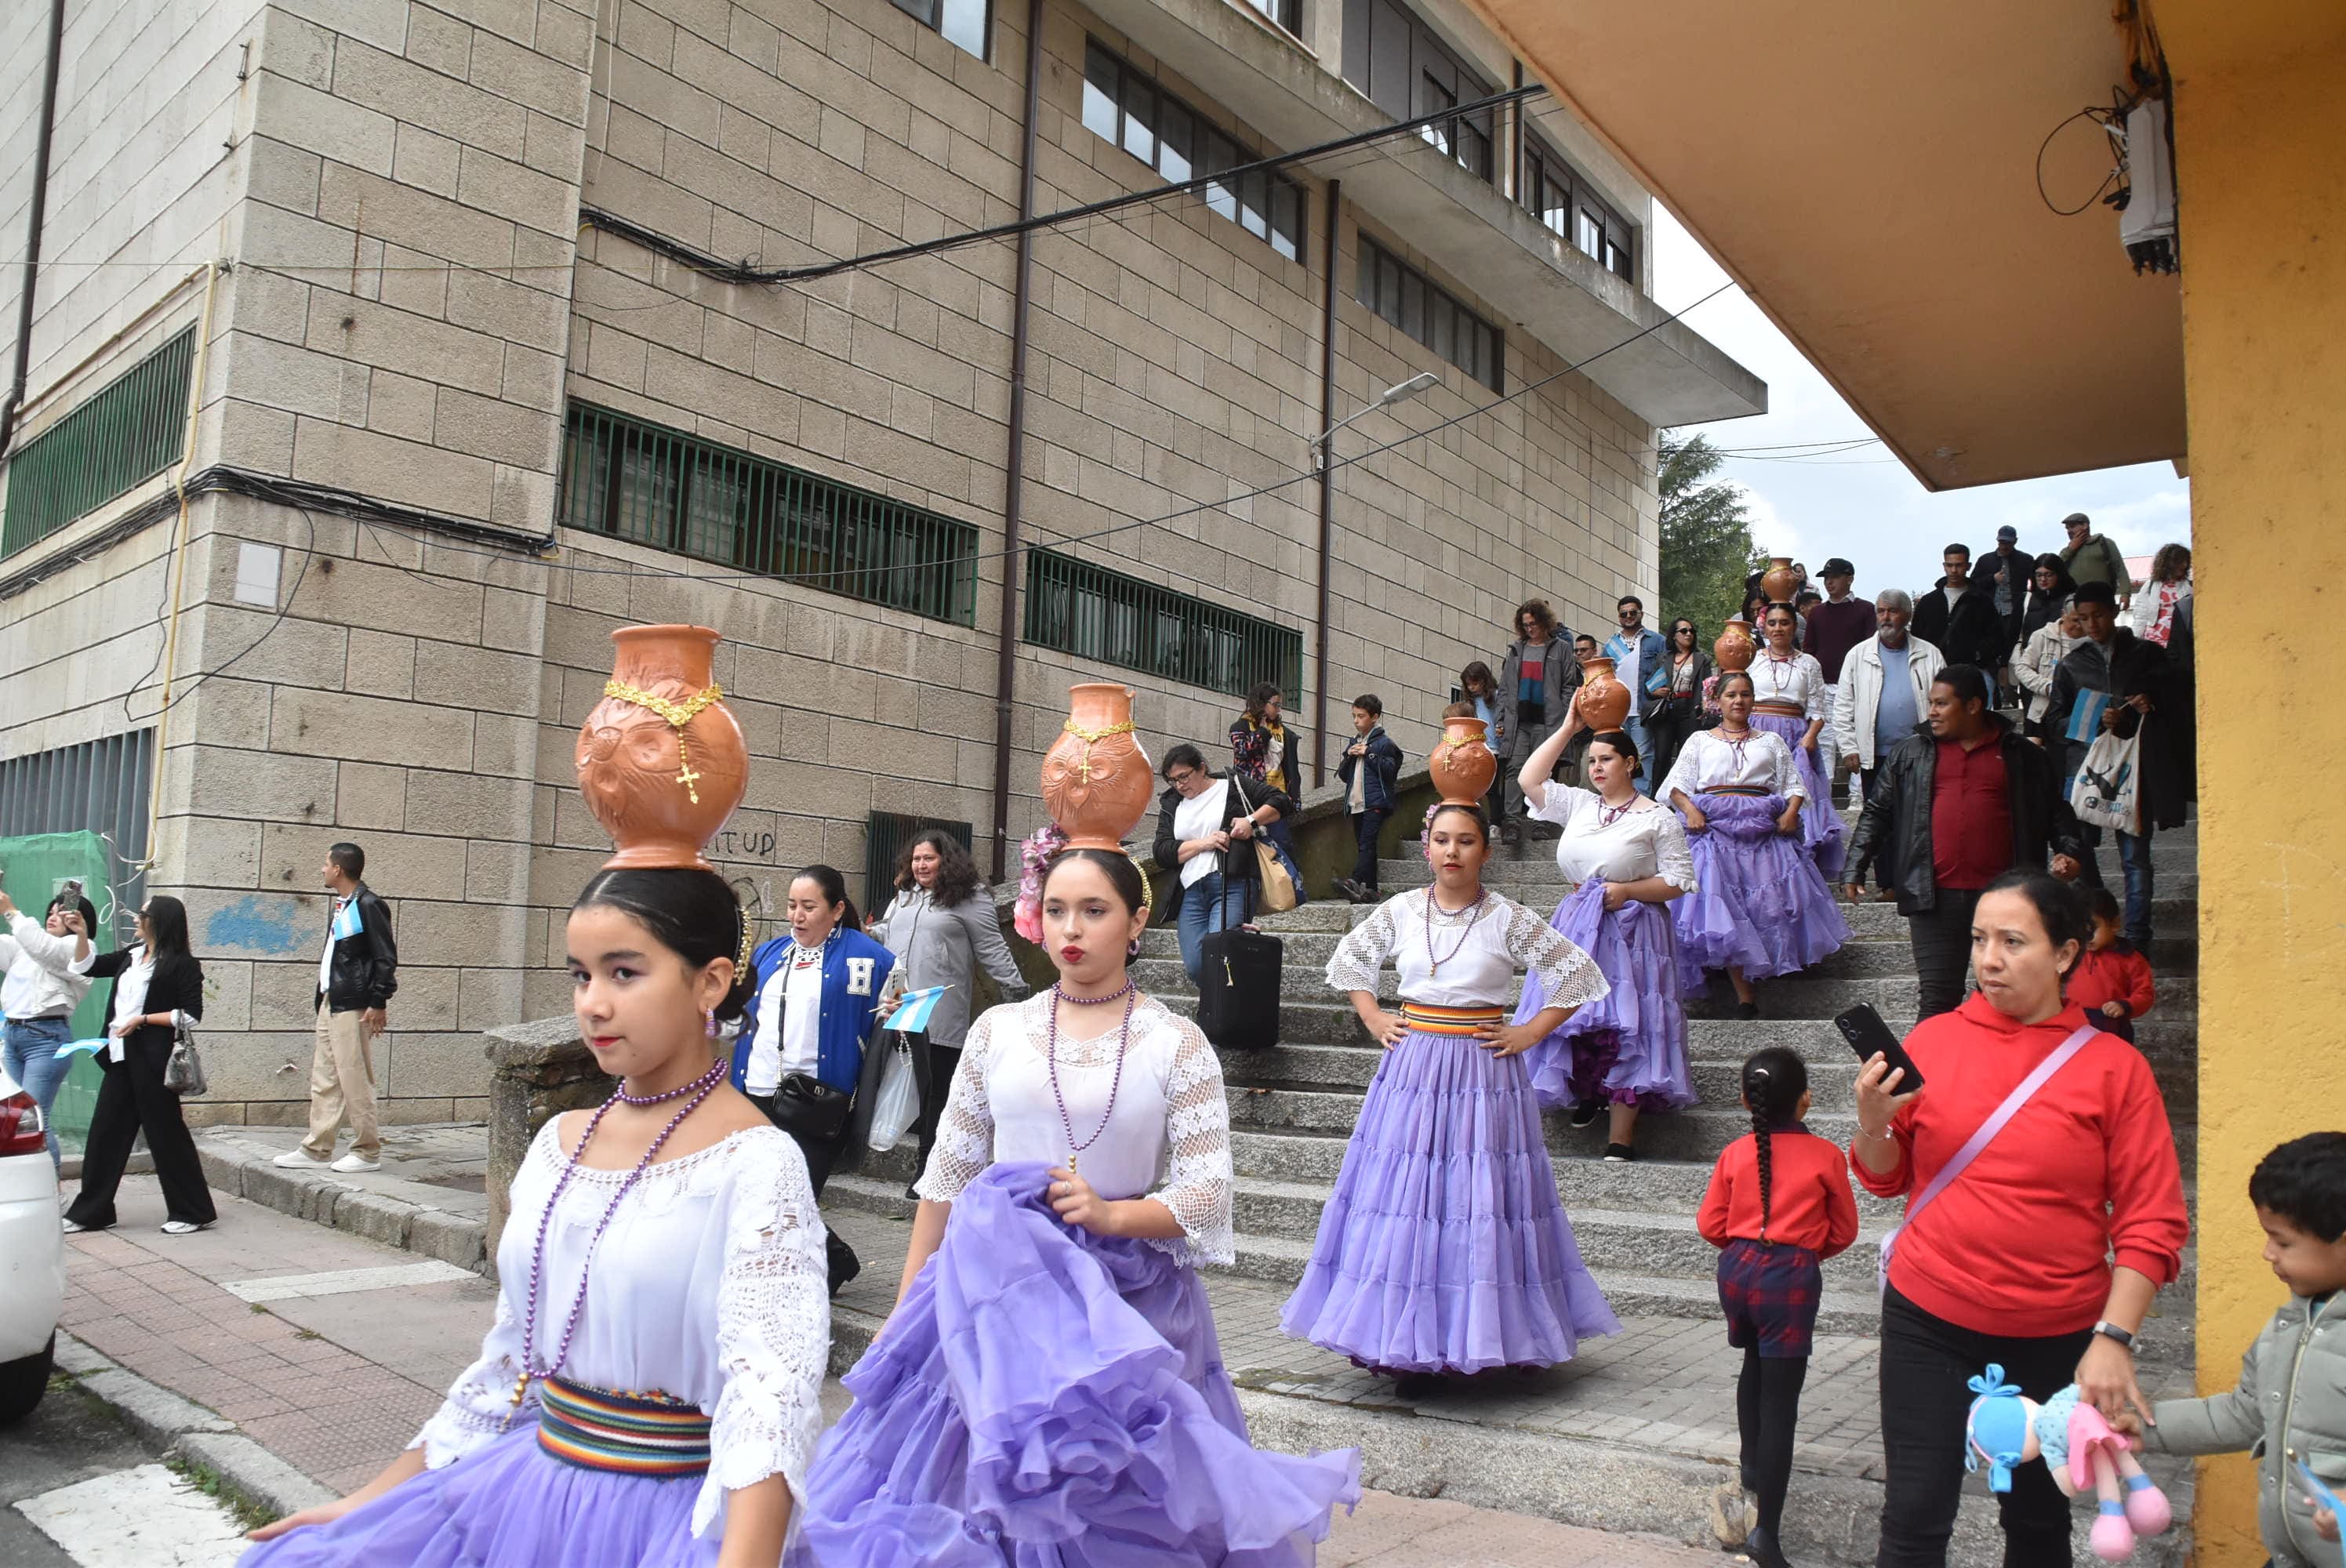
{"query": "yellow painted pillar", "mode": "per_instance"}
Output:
(2261, 157)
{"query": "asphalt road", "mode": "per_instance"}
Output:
(69, 1438)
(73, 1465)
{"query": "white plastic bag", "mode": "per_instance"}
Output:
(898, 1105)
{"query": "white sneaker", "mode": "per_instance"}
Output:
(292, 1158)
(353, 1163)
(74, 1228)
(182, 1228)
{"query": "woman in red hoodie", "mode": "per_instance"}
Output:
(2010, 1260)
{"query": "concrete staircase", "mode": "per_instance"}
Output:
(1293, 1105)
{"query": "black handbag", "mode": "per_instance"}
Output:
(807, 1107)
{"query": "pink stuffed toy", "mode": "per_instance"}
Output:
(2006, 1430)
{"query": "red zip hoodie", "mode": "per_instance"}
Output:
(2017, 1243)
(2113, 974)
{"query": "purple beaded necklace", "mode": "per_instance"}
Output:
(700, 1088)
(1051, 1055)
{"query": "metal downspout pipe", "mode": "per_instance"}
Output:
(1013, 497)
(32, 240)
(1327, 483)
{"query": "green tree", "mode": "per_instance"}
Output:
(1706, 548)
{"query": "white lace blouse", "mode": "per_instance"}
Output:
(1164, 1132)
(1799, 679)
(1478, 956)
(1645, 838)
(710, 1284)
(1708, 763)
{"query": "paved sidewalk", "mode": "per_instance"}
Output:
(330, 1350)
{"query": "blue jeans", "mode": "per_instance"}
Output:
(1283, 840)
(1207, 907)
(30, 1056)
(1634, 729)
(2134, 859)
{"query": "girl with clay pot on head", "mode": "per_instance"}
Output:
(804, 1055)
(1082, 1172)
(1627, 857)
(1759, 907)
(1791, 704)
(943, 929)
(2044, 1252)
(1444, 1249)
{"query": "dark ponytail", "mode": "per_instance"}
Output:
(1774, 1079)
(834, 892)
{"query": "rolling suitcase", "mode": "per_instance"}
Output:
(1238, 987)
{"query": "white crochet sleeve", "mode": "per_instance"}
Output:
(1568, 977)
(1673, 857)
(1784, 778)
(1814, 709)
(479, 1407)
(1198, 1175)
(773, 1331)
(964, 1146)
(1361, 956)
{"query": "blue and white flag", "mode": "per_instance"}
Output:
(912, 1014)
(2085, 717)
(92, 1047)
(346, 921)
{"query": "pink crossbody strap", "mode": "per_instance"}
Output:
(2020, 1095)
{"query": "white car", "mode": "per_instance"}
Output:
(32, 1254)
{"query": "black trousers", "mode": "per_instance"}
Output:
(821, 1154)
(1926, 1362)
(1941, 938)
(132, 1100)
(1366, 826)
(937, 1066)
(1665, 734)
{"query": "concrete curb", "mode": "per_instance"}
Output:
(323, 1199)
(186, 1430)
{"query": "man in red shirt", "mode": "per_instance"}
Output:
(1960, 805)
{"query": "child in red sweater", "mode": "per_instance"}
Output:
(2112, 980)
(1779, 1205)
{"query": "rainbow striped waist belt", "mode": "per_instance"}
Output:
(632, 1434)
(1430, 1020)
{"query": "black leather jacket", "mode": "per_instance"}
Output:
(1897, 817)
(365, 970)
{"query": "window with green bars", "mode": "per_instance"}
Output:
(132, 430)
(635, 480)
(1093, 613)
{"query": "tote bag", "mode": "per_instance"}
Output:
(2107, 790)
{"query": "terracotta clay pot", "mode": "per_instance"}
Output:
(1779, 582)
(1097, 780)
(1602, 701)
(1462, 765)
(1735, 649)
(661, 789)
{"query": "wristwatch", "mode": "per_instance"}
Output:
(2111, 1332)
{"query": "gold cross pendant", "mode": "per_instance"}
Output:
(1085, 768)
(688, 778)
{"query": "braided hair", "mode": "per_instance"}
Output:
(1774, 1079)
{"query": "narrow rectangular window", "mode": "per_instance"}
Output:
(1100, 92)
(961, 22)
(1422, 310)
(1173, 132)
(1590, 233)
(1139, 115)
(1122, 105)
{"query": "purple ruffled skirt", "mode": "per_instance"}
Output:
(1445, 1248)
(1628, 1047)
(1758, 900)
(1821, 829)
(1048, 1398)
(509, 1504)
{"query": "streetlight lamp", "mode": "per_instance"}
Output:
(1400, 393)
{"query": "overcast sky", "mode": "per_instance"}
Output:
(1865, 504)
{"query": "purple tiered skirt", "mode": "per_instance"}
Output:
(1445, 1248)
(1047, 1396)
(1758, 900)
(508, 1505)
(1628, 1047)
(1822, 833)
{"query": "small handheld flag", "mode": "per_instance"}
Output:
(70, 1047)
(346, 920)
(912, 1014)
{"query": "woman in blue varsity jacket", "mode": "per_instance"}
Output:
(803, 1055)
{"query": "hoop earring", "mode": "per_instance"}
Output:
(1132, 948)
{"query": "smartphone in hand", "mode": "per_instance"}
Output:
(1867, 1035)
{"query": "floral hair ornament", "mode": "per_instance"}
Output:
(1034, 857)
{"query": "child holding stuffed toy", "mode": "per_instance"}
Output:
(2112, 980)
(1778, 1206)
(2290, 1404)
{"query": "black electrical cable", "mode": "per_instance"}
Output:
(2089, 112)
